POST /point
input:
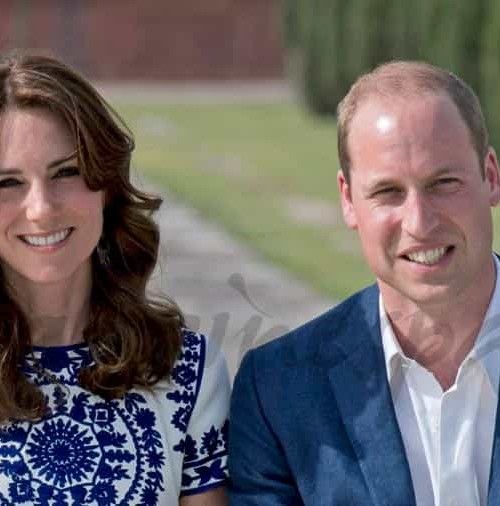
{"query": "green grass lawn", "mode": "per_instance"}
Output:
(266, 172)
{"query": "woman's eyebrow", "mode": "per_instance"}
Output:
(51, 165)
(68, 158)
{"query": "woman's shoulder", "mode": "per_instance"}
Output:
(198, 353)
(200, 390)
(200, 367)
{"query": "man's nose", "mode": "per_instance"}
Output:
(40, 203)
(420, 217)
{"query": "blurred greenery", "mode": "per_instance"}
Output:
(337, 40)
(266, 172)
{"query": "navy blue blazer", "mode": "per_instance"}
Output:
(312, 420)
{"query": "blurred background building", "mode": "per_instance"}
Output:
(151, 39)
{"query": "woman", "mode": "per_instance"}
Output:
(105, 398)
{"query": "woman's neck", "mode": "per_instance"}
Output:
(57, 313)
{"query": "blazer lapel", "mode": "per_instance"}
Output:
(494, 485)
(360, 386)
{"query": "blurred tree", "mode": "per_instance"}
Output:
(382, 30)
(490, 70)
(324, 55)
(454, 42)
(397, 34)
(408, 29)
(423, 26)
(341, 39)
(364, 36)
(296, 22)
(291, 19)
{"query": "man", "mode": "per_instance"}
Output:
(390, 398)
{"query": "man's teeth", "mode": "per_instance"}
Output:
(47, 240)
(428, 257)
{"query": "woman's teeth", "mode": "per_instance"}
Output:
(46, 240)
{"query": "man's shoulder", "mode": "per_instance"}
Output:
(309, 341)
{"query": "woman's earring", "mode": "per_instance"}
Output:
(103, 252)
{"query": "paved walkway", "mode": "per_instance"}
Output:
(224, 288)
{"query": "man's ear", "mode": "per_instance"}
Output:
(491, 174)
(346, 201)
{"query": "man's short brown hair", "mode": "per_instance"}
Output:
(409, 79)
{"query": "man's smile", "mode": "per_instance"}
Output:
(428, 256)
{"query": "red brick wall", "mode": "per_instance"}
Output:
(151, 39)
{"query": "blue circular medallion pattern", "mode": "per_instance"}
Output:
(95, 452)
(62, 452)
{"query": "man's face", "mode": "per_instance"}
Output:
(418, 199)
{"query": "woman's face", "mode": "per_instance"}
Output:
(50, 222)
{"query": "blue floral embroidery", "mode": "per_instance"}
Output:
(184, 375)
(21, 491)
(213, 445)
(62, 452)
(94, 452)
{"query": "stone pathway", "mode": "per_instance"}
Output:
(226, 289)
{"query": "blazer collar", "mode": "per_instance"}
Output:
(494, 483)
(357, 374)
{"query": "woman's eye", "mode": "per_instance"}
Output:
(8, 182)
(67, 172)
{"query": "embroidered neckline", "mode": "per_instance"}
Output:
(60, 364)
(64, 347)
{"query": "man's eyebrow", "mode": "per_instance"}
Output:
(55, 163)
(445, 170)
(376, 183)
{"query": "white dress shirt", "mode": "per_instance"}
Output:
(448, 436)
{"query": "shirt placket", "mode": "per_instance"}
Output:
(426, 393)
(459, 406)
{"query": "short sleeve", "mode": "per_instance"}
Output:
(205, 456)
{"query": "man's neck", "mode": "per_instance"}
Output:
(439, 336)
(439, 345)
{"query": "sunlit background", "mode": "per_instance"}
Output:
(232, 101)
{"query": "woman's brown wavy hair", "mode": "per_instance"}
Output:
(133, 339)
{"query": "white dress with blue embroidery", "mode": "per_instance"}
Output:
(148, 448)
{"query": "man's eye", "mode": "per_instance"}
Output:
(445, 182)
(67, 172)
(8, 182)
(389, 190)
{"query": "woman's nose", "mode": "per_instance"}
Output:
(40, 203)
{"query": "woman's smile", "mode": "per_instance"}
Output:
(47, 240)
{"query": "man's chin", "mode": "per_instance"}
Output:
(419, 294)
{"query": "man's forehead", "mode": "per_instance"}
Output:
(423, 129)
(383, 114)
(398, 100)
